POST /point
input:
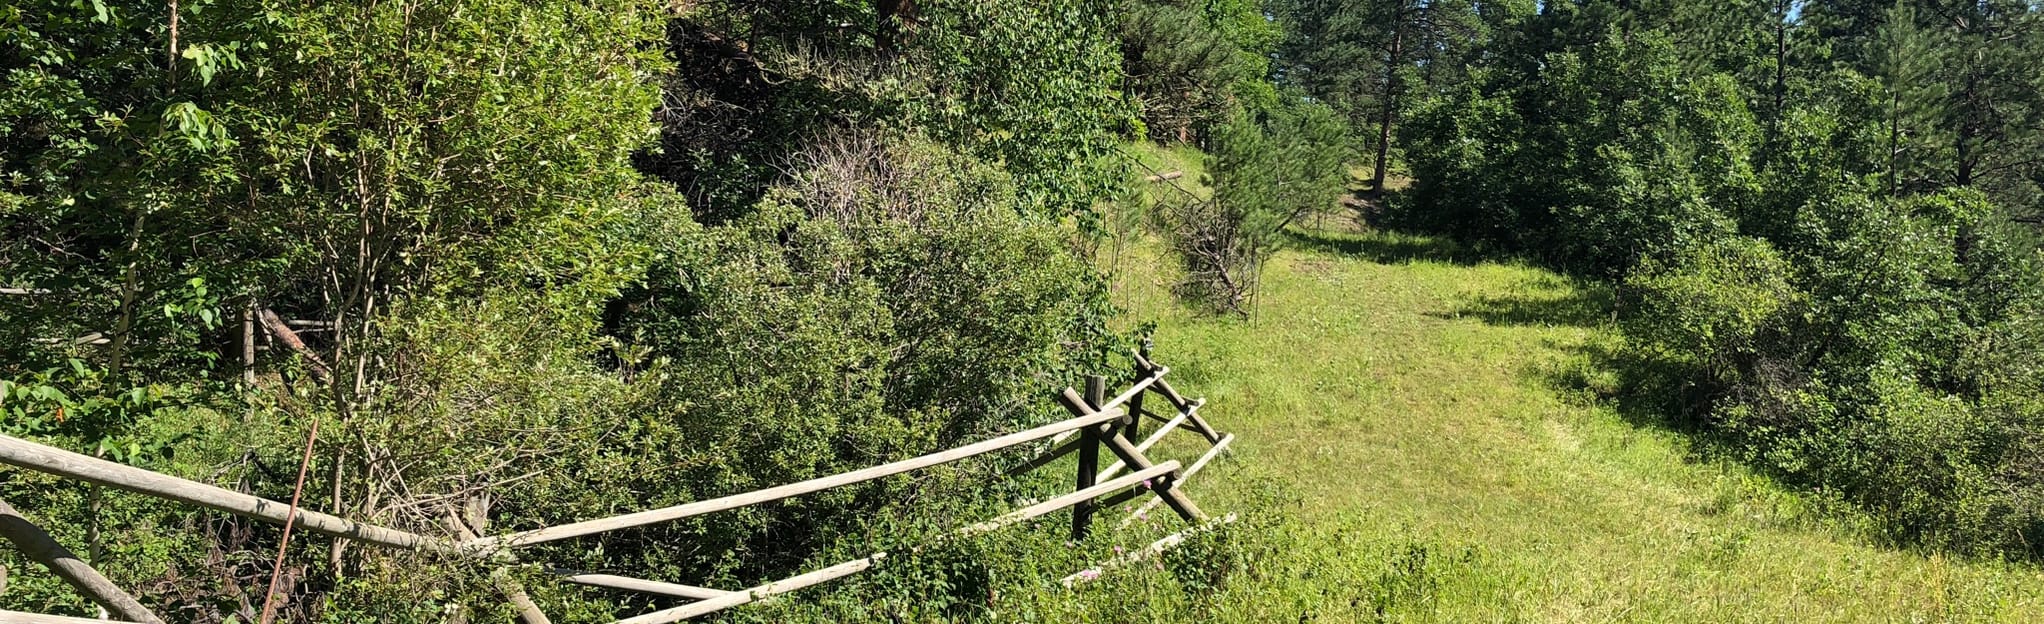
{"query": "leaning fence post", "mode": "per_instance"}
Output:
(1135, 404)
(527, 611)
(1089, 455)
(1096, 396)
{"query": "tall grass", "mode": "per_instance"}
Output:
(1423, 436)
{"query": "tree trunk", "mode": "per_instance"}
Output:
(894, 17)
(1390, 104)
(284, 334)
(1965, 144)
(1780, 70)
(1894, 142)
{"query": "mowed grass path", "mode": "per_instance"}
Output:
(1426, 411)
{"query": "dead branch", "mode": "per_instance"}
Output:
(284, 334)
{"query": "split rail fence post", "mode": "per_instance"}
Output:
(1166, 489)
(527, 611)
(1135, 404)
(1089, 455)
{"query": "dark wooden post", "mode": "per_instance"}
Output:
(1135, 404)
(1089, 455)
(1096, 396)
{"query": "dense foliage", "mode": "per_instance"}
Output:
(530, 264)
(1821, 216)
(522, 263)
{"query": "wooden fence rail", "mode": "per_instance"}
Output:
(736, 598)
(1155, 548)
(40, 547)
(1097, 423)
(677, 512)
(641, 585)
(17, 617)
(24, 454)
(1218, 448)
(1135, 481)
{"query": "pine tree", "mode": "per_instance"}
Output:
(1907, 59)
(1371, 60)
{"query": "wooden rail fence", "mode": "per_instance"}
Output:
(1097, 423)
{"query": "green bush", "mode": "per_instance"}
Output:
(1710, 303)
(520, 328)
(1868, 361)
(1608, 156)
(890, 301)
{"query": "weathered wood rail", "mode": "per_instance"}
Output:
(1097, 423)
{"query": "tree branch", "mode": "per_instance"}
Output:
(284, 334)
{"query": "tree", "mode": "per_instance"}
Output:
(1268, 168)
(1964, 108)
(1181, 69)
(1367, 59)
(1907, 59)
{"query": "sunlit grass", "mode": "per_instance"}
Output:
(1436, 418)
(1154, 159)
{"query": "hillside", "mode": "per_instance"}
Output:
(1431, 415)
(639, 312)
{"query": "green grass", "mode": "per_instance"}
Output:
(1429, 413)
(1151, 157)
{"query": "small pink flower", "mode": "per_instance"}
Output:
(1117, 550)
(1089, 575)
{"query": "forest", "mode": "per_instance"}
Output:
(485, 266)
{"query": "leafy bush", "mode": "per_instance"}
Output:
(1867, 361)
(888, 302)
(1611, 155)
(515, 326)
(1031, 87)
(1710, 303)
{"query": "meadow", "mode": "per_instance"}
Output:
(1438, 428)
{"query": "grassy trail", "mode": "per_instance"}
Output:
(1430, 414)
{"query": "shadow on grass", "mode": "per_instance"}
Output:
(1384, 247)
(1557, 303)
(1645, 390)
(1652, 391)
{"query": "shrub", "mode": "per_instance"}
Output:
(1710, 303)
(1868, 360)
(1267, 170)
(890, 301)
(1609, 155)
